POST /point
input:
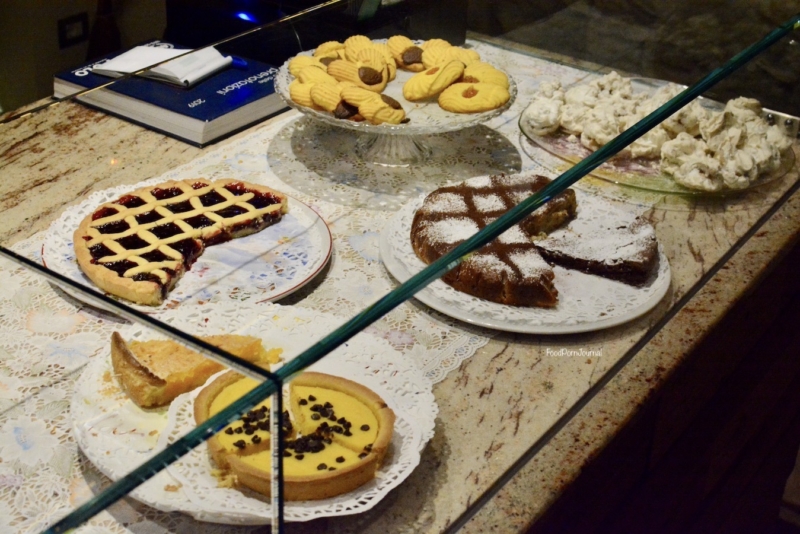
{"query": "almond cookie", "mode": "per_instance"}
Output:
(329, 49)
(301, 94)
(312, 74)
(362, 75)
(473, 97)
(298, 63)
(407, 55)
(484, 72)
(433, 81)
(382, 108)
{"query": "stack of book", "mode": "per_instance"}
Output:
(215, 107)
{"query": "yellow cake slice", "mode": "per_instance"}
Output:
(339, 438)
(154, 372)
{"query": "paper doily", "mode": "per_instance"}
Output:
(116, 435)
(585, 302)
(264, 266)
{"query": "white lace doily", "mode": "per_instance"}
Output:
(585, 302)
(264, 266)
(117, 436)
(425, 117)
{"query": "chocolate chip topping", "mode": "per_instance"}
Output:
(239, 444)
(229, 431)
(322, 467)
(411, 55)
(362, 455)
(369, 76)
(299, 456)
(256, 439)
(312, 398)
(303, 402)
(394, 104)
(364, 427)
(340, 459)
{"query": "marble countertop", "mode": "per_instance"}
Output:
(492, 404)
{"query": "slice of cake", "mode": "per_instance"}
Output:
(625, 252)
(509, 270)
(340, 436)
(154, 372)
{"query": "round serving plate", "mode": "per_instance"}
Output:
(118, 436)
(396, 144)
(262, 267)
(585, 302)
(644, 174)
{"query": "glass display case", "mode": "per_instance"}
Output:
(312, 224)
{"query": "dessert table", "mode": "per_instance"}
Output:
(518, 415)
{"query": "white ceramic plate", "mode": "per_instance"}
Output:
(261, 267)
(585, 302)
(117, 436)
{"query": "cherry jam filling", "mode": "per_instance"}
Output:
(189, 249)
(133, 242)
(166, 230)
(198, 185)
(237, 188)
(262, 200)
(120, 267)
(155, 256)
(199, 221)
(130, 201)
(211, 198)
(148, 217)
(100, 251)
(147, 277)
(162, 194)
(116, 227)
(103, 213)
(180, 207)
(231, 211)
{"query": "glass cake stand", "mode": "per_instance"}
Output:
(396, 144)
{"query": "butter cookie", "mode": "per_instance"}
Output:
(433, 81)
(407, 55)
(473, 97)
(298, 63)
(359, 73)
(483, 72)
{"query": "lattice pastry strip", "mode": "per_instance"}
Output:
(138, 246)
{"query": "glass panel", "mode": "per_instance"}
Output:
(478, 388)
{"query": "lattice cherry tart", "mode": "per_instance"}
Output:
(138, 246)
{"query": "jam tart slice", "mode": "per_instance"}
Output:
(337, 434)
(138, 246)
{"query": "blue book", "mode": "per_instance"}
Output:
(216, 107)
